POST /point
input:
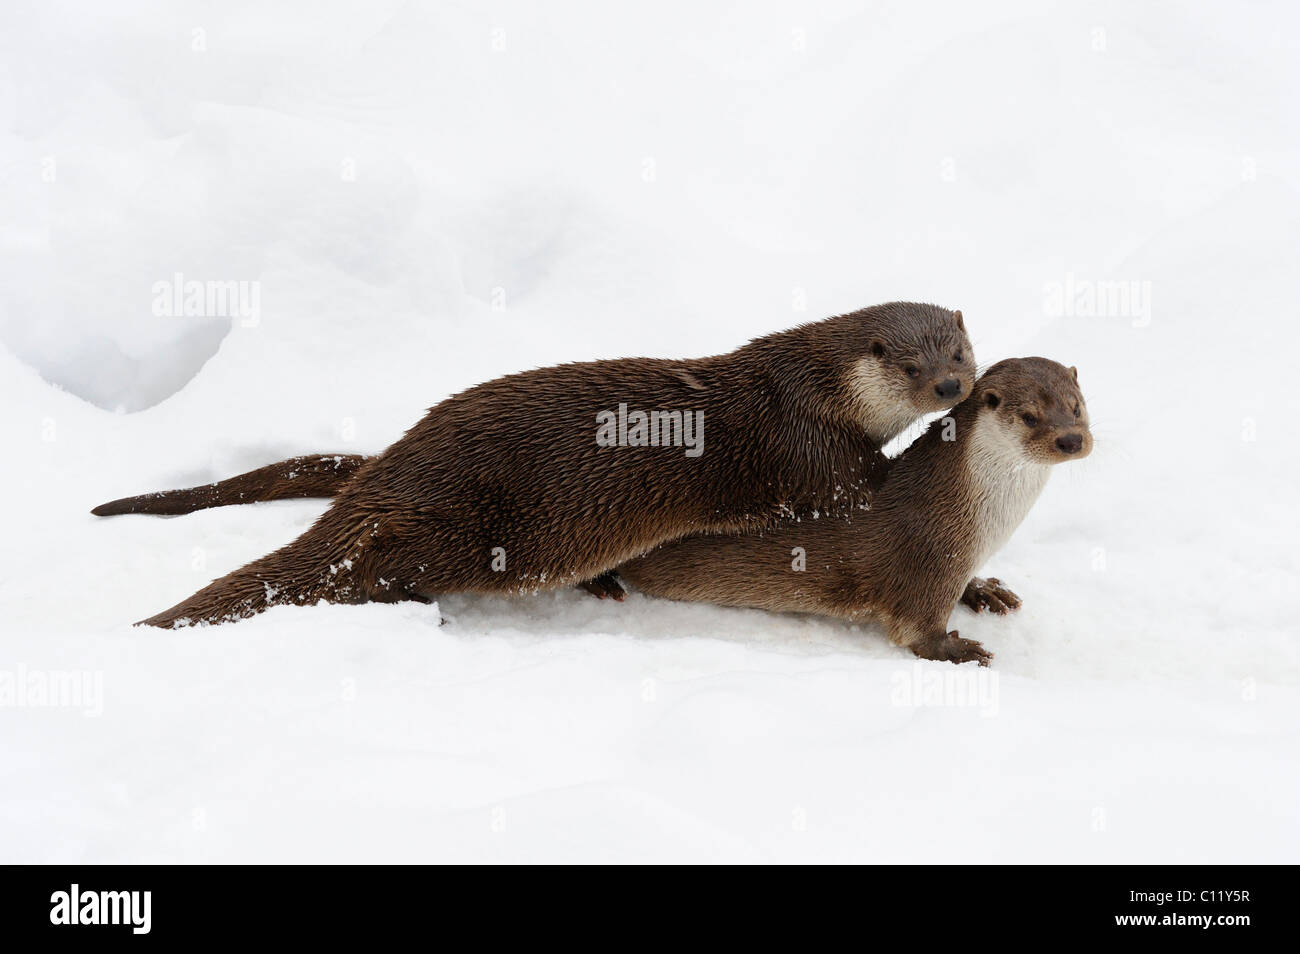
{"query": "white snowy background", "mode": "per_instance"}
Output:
(433, 194)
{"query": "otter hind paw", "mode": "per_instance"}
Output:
(951, 647)
(990, 594)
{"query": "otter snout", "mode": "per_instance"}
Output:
(1069, 443)
(948, 389)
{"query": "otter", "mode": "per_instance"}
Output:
(950, 502)
(546, 479)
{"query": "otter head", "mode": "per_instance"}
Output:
(916, 360)
(1038, 409)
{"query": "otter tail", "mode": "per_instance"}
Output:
(316, 475)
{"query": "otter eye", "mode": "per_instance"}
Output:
(1029, 420)
(1076, 410)
(912, 370)
(957, 357)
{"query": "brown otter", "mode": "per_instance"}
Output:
(527, 482)
(950, 501)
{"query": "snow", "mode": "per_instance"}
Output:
(428, 196)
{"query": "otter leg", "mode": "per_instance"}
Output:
(605, 586)
(931, 642)
(990, 594)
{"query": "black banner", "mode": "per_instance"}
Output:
(94, 906)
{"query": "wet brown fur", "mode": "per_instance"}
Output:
(514, 464)
(316, 475)
(909, 560)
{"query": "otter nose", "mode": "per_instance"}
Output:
(1070, 443)
(948, 389)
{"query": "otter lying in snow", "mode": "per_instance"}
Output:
(949, 503)
(506, 489)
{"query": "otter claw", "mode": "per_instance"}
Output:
(990, 594)
(951, 647)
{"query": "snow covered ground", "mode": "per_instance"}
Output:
(427, 195)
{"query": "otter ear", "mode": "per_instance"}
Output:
(1074, 373)
(960, 324)
(877, 347)
(992, 398)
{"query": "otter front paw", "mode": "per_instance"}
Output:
(990, 594)
(605, 586)
(951, 647)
